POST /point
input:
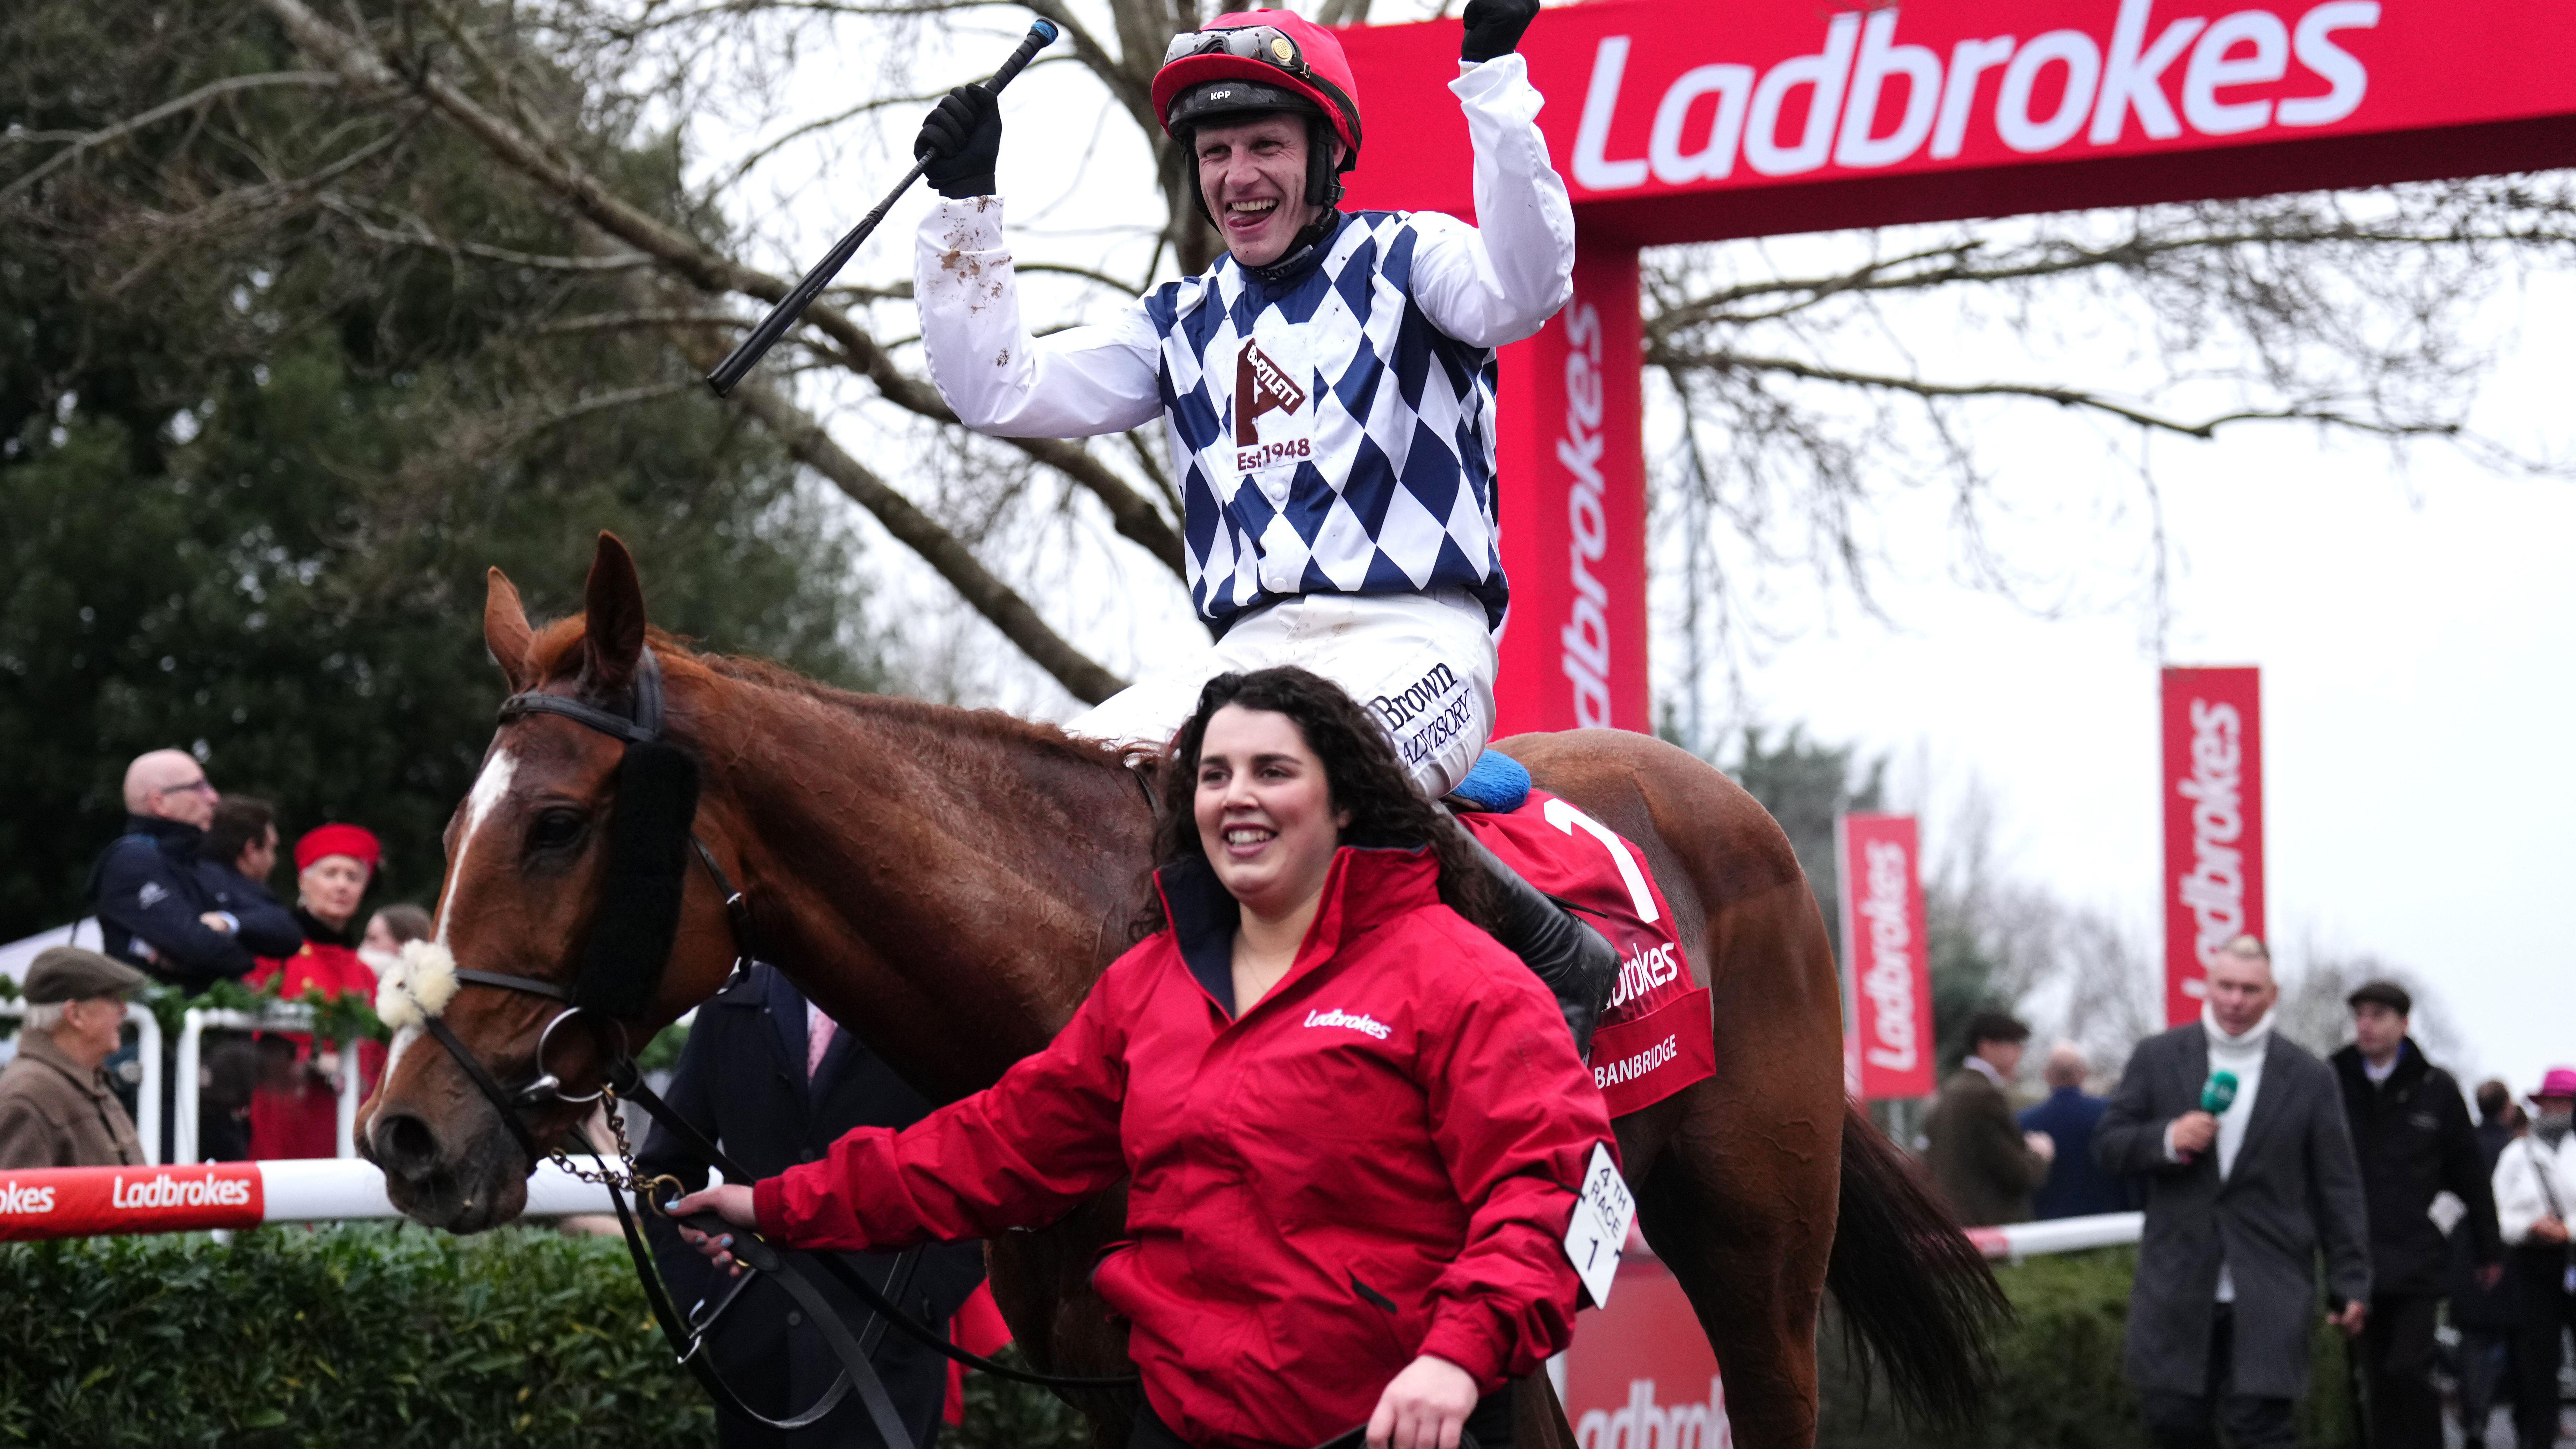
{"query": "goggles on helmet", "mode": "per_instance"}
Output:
(1265, 43)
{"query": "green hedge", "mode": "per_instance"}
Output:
(360, 1334)
(2060, 1385)
(375, 1336)
(382, 1336)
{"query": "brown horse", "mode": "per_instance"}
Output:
(949, 883)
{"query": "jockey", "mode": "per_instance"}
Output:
(1327, 385)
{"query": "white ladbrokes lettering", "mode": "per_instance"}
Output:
(1644, 970)
(2057, 93)
(163, 1190)
(2215, 889)
(1886, 905)
(1643, 1422)
(25, 1201)
(1362, 1023)
(1586, 636)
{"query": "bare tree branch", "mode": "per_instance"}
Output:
(996, 601)
(162, 112)
(1134, 516)
(2063, 396)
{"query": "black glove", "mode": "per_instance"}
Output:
(960, 141)
(1494, 27)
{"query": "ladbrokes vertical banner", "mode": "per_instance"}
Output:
(2213, 788)
(1887, 971)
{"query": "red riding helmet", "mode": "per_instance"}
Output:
(1281, 61)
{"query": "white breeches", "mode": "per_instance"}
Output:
(1423, 664)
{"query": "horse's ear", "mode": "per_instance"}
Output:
(505, 629)
(613, 615)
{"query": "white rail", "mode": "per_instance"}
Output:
(79, 1202)
(2016, 1241)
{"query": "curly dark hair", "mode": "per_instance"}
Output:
(1360, 770)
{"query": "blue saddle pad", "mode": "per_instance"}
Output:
(1496, 783)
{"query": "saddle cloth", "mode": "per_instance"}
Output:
(1657, 1037)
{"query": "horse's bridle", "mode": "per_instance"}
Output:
(601, 981)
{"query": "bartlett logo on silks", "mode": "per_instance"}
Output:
(1657, 1036)
(69, 1202)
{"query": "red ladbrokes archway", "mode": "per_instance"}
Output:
(1676, 121)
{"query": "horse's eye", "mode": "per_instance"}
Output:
(555, 829)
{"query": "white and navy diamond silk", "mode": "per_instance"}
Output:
(1388, 482)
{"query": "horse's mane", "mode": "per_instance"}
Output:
(556, 650)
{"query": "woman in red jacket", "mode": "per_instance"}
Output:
(295, 1112)
(1353, 1125)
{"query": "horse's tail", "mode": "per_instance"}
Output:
(1912, 1288)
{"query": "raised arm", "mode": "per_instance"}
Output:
(1001, 381)
(1017, 1154)
(1501, 279)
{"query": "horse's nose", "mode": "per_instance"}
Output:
(405, 1147)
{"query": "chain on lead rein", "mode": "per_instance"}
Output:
(625, 1176)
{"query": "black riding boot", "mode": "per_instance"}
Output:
(1575, 962)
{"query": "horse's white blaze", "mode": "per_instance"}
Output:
(489, 787)
(394, 1054)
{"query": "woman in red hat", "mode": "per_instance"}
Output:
(295, 1112)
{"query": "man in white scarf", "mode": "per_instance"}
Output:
(2241, 1140)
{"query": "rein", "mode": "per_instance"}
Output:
(648, 867)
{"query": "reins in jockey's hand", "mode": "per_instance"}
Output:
(650, 841)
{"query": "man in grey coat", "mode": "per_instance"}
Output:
(2248, 1165)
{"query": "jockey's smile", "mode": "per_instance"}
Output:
(1254, 177)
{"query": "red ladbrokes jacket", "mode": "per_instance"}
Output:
(1378, 1160)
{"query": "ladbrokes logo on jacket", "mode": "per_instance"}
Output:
(1360, 1022)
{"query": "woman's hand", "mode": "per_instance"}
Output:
(1426, 1407)
(730, 1201)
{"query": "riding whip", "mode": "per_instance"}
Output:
(791, 308)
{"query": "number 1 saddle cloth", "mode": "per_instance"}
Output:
(1657, 1037)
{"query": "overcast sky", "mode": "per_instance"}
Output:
(2415, 625)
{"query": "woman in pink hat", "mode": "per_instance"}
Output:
(295, 1112)
(2535, 1187)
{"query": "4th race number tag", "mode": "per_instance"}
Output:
(1599, 1232)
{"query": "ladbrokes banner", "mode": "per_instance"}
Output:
(1886, 970)
(70, 1202)
(1675, 120)
(2213, 789)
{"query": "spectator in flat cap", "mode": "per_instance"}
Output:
(1986, 1164)
(55, 1106)
(2412, 1136)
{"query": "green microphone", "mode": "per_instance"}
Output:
(2220, 1094)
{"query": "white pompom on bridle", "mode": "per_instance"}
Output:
(421, 983)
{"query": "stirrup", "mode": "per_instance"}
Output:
(1576, 963)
